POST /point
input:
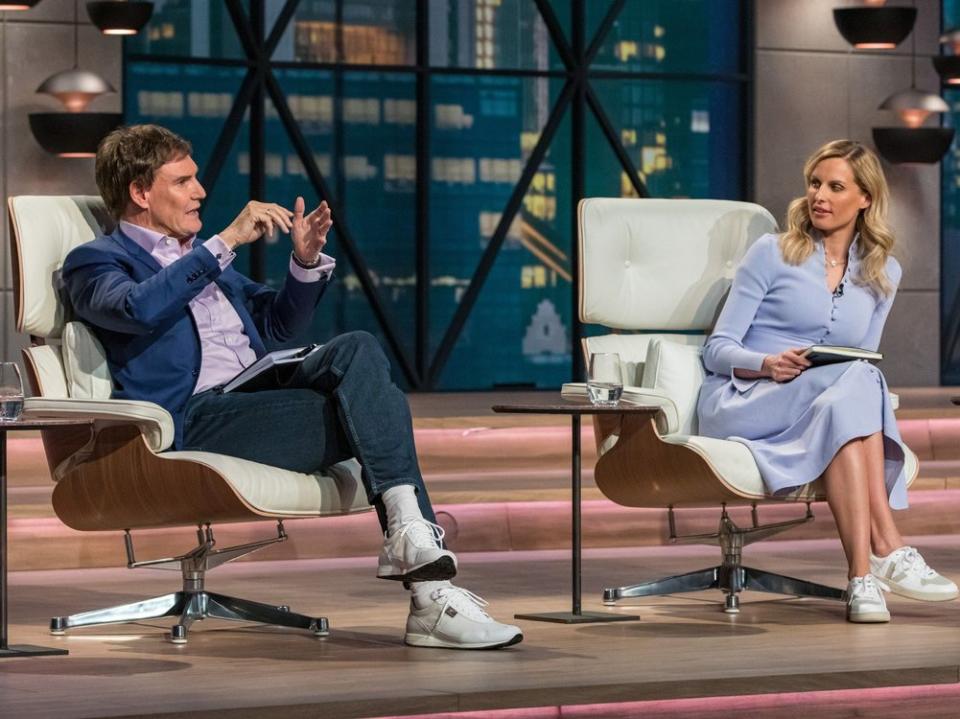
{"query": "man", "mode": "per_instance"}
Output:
(177, 322)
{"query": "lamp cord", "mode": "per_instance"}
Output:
(76, 35)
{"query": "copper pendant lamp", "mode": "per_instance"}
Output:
(74, 133)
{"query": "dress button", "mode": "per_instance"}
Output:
(729, 263)
(626, 263)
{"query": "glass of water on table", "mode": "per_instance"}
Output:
(604, 381)
(11, 392)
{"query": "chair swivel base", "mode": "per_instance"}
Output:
(731, 580)
(191, 606)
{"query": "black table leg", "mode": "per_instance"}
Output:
(576, 615)
(17, 650)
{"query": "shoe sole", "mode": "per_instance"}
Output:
(919, 596)
(435, 571)
(869, 618)
(428, 640)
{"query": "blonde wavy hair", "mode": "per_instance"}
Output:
(876, 239)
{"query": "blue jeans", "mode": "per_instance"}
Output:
(336, 404)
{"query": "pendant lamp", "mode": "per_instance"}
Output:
(75, 133)
(119, 17)
(913, 143)
(948, 66)
(875, 27)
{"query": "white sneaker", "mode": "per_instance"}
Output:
(865, 601)
(455, 619)
(413, 554)
(905, 572)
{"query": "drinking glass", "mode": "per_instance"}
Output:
(604, 382)
(11, 392)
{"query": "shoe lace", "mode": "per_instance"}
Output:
(422, 534)
(463, 601)
(914, 563)
(865, 587)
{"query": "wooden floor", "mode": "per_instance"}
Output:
(682, 647)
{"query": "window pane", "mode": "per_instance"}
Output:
(191, 100)
(950, 247)
(361, 132)
(519, 331)
(684, 138)
(484, 130)
(369, 32)
(505, 34)
(672, 36)
(200, 28)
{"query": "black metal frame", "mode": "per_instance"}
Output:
(420, 371)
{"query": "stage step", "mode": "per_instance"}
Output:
(500, 482)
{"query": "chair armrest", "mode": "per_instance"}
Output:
(667, 419)
(154, 421)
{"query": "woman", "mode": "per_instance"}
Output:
(829, 279)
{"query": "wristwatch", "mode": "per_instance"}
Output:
(311, 266)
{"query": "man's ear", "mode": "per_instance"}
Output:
(139, 195)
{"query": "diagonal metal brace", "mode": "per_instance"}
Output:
(203, 556)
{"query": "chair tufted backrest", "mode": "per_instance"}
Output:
(662, 265)
(43, 229)
(662, 269)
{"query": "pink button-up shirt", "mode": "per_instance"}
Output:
(224, 346)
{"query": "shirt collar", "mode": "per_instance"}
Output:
(147, 239)
(853, 254)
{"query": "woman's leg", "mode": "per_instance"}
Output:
(884, 536)
(848, 494)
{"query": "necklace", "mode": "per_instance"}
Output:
(832, 262)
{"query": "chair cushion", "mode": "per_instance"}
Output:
(45, 229)
(662, 265)
(280, 492)
(633, 348)
(85, 363)
(737, 469)
(676, 371)
(45, 364)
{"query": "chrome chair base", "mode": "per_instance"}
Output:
(193, 603)
(731, 577)
(191, 606)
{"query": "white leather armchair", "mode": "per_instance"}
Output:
(115, 474)
(656, 272)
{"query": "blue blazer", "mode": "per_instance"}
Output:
(140, 313)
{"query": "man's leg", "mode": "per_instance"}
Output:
(373, 412)
(339, 404)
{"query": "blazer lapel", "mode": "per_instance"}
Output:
(135, 250)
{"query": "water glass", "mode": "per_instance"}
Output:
(604, 381)
(11, 392)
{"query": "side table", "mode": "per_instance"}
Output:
(18, 650)
(575, 408)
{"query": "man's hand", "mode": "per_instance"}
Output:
(254, 221)
(309, 234)
(785, 366)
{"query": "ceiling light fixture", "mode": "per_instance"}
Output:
(119, 17)
(876, 27)
(74, 133)
(913, 143)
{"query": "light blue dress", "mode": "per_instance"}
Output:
(794, 429)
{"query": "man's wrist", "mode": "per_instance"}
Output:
(228, 237)
(307, 265)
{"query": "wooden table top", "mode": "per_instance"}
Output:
(41, 423)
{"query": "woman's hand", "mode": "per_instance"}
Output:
(784, 366)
